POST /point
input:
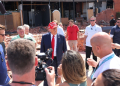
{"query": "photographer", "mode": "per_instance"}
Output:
(22, 62)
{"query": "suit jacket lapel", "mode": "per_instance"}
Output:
(58, 39)
(49, 40)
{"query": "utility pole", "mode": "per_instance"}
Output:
(95, 7)
(22, 18)
(59, 5)
(49, 4)
(73, 10)
(22, 4)
(60, 10)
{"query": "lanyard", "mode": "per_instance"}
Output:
(105, 60)
(21, 82)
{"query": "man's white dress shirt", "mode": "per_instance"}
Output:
(60, 30)
(55, 37)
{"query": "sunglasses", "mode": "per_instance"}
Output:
(92, 20)
(2, 35)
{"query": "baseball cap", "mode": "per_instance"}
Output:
(52, 25)
(112, 15)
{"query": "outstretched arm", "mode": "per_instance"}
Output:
(50, 75)
(92, 62)
(115, 45)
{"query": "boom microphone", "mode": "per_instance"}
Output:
(2, 9)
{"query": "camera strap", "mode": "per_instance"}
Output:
(21, 82)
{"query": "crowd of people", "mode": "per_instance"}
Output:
(65, 67)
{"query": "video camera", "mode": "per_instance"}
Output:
(40, 69)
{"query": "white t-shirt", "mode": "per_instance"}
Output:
(113, 63)
(90, 31)
(60, 30)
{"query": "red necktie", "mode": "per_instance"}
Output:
(52, 44)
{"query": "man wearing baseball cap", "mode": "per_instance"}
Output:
(112, 21)
(55, 41)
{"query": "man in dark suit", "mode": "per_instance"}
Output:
(55, 41)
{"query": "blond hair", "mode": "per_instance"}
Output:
(73, 67)
(55, 21)
(93, 17)
(60, 24)
(2, 27)
(25, 25)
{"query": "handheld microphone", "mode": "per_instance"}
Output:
(46, 55)
(48, 52)
(2, 9)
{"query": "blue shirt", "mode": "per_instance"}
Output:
(115, 31)
(4, 79)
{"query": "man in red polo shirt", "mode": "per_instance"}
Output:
(72, 35)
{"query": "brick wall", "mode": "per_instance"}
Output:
(104, 15)
(116, 6)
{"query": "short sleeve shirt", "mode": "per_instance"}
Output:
(115, 31)
(72, 32)
(90, 31)
(25, 37)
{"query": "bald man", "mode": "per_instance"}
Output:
(102, 48)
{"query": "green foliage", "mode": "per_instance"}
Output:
(117, 15)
